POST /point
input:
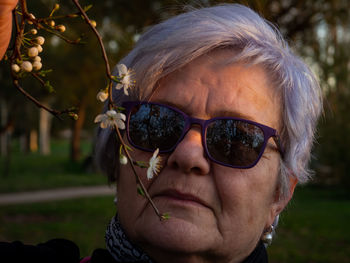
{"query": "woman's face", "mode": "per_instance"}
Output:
(234, 205)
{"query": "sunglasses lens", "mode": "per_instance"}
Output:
(152, 126)
(234, 142)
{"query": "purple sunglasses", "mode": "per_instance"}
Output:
(231, 142)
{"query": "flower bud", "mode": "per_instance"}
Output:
(26, 66)
(123, 159)
(61, 28)
(57, 6)
(102, 96)
(93, 23)
(15, 68)
(31, 16)
(73, 115)
(51, 23)
(33, 31)
(40, 40)
(40, 48)
(37, 65)
(37, 58)
(33, 52)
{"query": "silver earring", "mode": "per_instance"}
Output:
(267, 236)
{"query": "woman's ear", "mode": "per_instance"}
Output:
(281, 202)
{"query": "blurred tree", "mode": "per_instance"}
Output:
(317, 29)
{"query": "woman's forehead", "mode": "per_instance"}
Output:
(209, 87)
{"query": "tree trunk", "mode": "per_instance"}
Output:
(75, 152)
(33, 141)
(3, 122)
(44, 132)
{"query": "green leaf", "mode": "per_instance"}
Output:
(165, 216)
(115, 78)
(87, 8)
(140, 191)
(49, 87)
(141, 164)
(43, 73)
(119, 108)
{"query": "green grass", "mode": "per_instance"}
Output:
(33, 171)
(81, 220)
(315, 227)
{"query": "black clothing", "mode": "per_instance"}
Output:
(65, 251)
(53, 251)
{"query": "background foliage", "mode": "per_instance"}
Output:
(318, 30)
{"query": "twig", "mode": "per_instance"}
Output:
(111, 106)
(103, 50)
(38, 103)
(138, 179)
(36, 76)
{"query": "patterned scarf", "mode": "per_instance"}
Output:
(122, 250)
(119, 246)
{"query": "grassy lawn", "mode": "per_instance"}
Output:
(33, 171)
(81, 220)
(313, 229)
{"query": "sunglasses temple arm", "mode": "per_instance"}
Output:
(277, 140)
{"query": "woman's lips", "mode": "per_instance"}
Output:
(180, 197)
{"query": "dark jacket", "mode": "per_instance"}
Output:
(65, 251)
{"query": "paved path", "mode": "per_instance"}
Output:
(55, 194)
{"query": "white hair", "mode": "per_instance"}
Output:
(177, 41)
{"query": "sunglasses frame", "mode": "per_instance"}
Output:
(189, 121)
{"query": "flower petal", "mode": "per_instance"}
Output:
(103, 125)
(100, 117)
(121, 116)
(122, 69)
(149, 173)
(120, 124)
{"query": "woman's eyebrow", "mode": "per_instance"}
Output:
(218, 113)
(234, 114)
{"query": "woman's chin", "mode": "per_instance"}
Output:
(186, 230)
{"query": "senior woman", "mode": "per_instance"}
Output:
(233, 112)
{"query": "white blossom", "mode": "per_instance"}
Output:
(26, 66)
(125, 76)
(110, 119)
(154, 165)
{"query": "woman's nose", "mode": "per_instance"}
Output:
(189, 155)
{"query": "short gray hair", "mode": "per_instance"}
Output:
(177, 41)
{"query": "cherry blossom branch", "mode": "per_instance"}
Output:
(112, 106)
(38, 103)
(103, 50)
(138, 179)
(33, 47)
